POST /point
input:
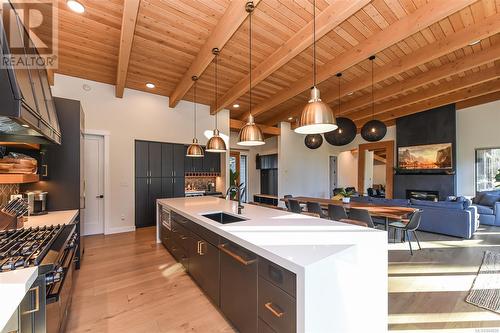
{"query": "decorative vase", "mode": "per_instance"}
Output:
(346, 200)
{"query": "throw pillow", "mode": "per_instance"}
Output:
(489, 200)
(467, 203)
(478, 197)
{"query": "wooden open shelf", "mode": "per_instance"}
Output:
(16, 178)
(21, 145)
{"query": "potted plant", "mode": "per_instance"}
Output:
(497, 178)
(346, 196)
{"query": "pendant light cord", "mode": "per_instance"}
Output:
(372, 58)
(339, 75)
(194, 108)
(216, 87)
(314, 43)
(250, 61)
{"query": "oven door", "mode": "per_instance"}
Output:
(60, 294)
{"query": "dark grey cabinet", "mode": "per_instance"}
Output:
(141, 159)
(238, 287)
(159, 172)
(167, 157)
(211, 162)
(204, 266)
(178, 160)
(253, 293)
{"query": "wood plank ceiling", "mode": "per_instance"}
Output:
(428, 53)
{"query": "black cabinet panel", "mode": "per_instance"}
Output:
(211, 162)
(167, 187)
(155, 159)
(141, 159)
(167, 160)
(141, 201)
(238, 291)
(179, 154)
(154, 193)
(204, 266)
(178, 189)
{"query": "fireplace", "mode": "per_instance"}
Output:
(422, 195)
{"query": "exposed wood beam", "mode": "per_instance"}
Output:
(478, 100)
(454, 67)
(235, 125)
(50, 76)
(480, 30)
(432, 12)
(232, 19)
(379, 158)
(470, 80)
(129, 19)
(460, 95)
(337, 12)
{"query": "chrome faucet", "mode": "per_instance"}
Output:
(240, 193)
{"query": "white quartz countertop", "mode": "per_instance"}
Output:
(13, 286)
(52, 218)
(291, 240)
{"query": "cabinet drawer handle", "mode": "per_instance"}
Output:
(37, 301)
(198, 250)
(201, 248)
(238, 258)
(276, 313)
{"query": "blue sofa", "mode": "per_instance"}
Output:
(488, 207)
(459, 219)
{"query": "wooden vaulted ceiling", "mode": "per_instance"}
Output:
(424, 53)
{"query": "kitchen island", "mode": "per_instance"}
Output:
(276, 271)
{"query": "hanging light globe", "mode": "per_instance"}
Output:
(313, 141)
(373, 130)
(343, 135)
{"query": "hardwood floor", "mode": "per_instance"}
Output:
(128, 283)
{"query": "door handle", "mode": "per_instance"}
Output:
(100, 196)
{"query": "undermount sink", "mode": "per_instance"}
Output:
(223, 218)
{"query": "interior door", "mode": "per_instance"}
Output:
(141, 201)
(94, 191)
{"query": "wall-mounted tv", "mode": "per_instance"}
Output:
(424, 157)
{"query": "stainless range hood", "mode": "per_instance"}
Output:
(27, 110)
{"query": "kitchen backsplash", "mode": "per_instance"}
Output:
(6, 190)
(198, 183)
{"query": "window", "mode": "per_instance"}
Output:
(487, 169)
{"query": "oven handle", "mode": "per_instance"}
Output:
(37, 300)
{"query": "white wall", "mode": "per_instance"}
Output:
(271, 147)
(477, 127)
(138, 115)
(379, 176)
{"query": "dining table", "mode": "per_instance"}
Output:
(387, 212)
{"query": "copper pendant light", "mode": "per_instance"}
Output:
(194, 149)
(250, 134)
(373, 130)
(317, 117)
(216, 144)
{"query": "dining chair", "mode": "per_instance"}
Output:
(287, 196)
(294, 206)
(361, 215)
(336, 213)
(409, 228)
(315, 208)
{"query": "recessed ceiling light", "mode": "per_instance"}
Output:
(349, 94)
(290, 118)
(150, 85)
(24, 125)
(236, 106)
(475, 42)
(75, 6)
